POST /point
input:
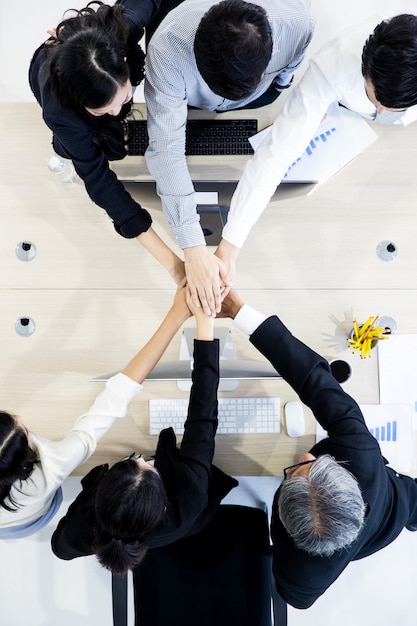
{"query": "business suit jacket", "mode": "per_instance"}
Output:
(194, 486)
(301, 578)
(85, 139)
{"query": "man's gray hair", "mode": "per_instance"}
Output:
(323, 512)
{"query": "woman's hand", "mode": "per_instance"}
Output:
(204, 323)
(180, 305)
(52, 36)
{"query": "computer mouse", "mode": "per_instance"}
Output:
(294, 418)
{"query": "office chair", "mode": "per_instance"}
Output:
(220, 577)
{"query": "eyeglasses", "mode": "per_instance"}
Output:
(292, 467)
(134, 456)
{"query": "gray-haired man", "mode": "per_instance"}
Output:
(341, 502)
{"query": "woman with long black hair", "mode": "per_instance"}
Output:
(83, 77)
(138, 505)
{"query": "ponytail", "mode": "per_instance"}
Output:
(118, 555)
(130, 502)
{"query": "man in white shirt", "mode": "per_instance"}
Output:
(377, 80)
(215, 56)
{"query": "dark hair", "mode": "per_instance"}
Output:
(324, 511)
(88, 57)
(232, 47)
(16, 458)
(129, 503)
(389, 61)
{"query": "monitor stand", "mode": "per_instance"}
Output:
(212, 219)
(226, 352)
(213, 201)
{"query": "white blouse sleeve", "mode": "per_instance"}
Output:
(60, 458)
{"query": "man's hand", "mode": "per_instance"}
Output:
(227, 252)
(231, 305)
(207, 279)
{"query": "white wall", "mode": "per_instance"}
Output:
(23, 27)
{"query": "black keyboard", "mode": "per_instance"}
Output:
(203, 137)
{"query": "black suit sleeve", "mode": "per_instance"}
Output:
(309, 375)
(138, 14)
(74, 535)
(197, 447)
(194, 486)
(302, 578)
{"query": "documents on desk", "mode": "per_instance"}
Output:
(397, 364)
(341, 136)
(392, 427)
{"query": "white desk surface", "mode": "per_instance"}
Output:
(96, 297)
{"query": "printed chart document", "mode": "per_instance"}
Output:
(392, 427)
(397, 364)
(341, 136)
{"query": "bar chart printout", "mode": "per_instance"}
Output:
(388, 432)
(392, 427)
(340, 137)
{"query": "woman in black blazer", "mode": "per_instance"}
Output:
(136, 505)
(83, 77)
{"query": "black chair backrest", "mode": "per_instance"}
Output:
(220, 577)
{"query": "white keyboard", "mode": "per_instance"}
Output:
(236, 415)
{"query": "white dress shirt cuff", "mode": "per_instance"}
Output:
(248, 319)
(236, 230)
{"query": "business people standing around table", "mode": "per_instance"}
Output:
(216, 56)
(83, 77)
(137, 505)
(33, 468)
(371, 69)
(340, 502)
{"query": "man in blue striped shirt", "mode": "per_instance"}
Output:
(216, 56)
